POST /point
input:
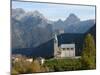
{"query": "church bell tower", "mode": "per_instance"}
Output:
(55, 45)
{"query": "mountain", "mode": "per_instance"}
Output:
(31, 29)
(72, 24)
(80, 27)
(17, 13)
(92, 31)
(58, 25)
(71, 19)
(28, 29)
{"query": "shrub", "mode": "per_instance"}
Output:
(63, 64)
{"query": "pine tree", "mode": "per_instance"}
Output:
(89, 53)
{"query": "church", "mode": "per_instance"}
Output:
(63, 50)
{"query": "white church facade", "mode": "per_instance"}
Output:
(64, 50)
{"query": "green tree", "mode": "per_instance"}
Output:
(89, 53)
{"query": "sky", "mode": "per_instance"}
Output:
(57, 11)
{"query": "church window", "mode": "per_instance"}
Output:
(72, 48)
(67, 48)
(64, 48)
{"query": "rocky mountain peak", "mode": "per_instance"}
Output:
(72, 18)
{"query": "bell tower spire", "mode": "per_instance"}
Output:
(55, 45)
(55, 39)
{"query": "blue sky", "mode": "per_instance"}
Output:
(57, 11)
